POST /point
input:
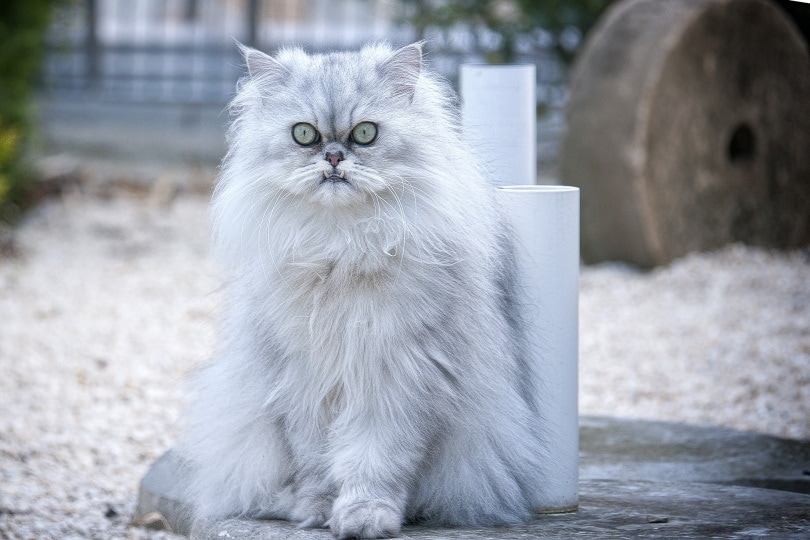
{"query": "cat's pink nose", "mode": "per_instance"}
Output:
(334, 158)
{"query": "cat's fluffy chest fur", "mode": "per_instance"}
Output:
(372, 368)
(342, 306)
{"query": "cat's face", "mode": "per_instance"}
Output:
(335, 130)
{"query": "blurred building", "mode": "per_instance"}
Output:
(183, 50)
(176, 60)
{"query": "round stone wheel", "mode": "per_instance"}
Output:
(689, 128)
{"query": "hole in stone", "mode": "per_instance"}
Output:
(742, 146)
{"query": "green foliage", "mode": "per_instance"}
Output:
(511, 18)
(22, 28)
(558, 16)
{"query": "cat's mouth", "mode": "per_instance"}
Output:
(334, 177)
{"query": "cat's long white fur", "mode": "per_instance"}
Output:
(372, 367)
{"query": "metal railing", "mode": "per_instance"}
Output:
(184, 51)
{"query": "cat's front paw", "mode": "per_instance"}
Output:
(312, 512)
(366, 519)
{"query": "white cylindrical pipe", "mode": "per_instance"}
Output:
(545, 223)
(499, 119)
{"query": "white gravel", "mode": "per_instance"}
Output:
(112, 301)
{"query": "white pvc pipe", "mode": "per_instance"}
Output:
(499, 118)
(499, 122)
(545, 223)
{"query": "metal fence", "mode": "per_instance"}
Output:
(183, 50)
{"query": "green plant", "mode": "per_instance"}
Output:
(509, 19)
(22, 29)
(560, 16)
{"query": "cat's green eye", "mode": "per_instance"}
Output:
(305, 134)
(364, 133)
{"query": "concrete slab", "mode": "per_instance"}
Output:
(619, 449)
(638, 478)
(161, 495)
(608, 509)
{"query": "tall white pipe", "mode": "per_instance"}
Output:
(545, 223)
(499, 116)
(499, 121)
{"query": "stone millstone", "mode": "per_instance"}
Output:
(689, 128)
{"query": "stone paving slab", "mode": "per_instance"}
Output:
(608, 509)
(638, 479)
(612, 448)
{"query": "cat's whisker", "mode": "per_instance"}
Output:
(377, 201)
(265, 227)
(262, 227)
(408, 185)
(400, 211)
(449, 258)
(418, 194)
(398, 207)
(406, 231)
(257, 202)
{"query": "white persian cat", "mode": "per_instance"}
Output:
(372, 369)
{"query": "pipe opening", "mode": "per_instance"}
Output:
(743, 145)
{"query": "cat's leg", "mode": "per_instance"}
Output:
(239, 471)
(312, 497)
(312, 492)
(377, 451)
(267, 473)
(303, 501)
(366, 518)
(240, 454)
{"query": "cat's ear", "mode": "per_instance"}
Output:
(261, 65)
(401, 70)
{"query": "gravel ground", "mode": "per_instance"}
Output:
(112, 300)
